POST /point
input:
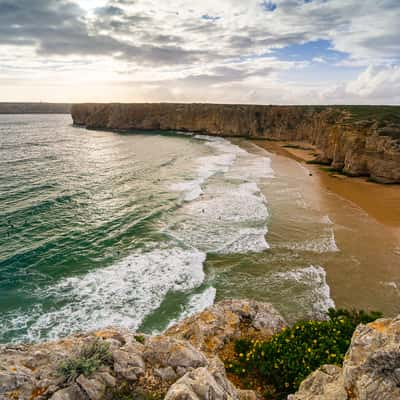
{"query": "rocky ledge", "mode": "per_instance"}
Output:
(183, 363)
(357, 140)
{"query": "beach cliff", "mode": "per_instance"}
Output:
(357, 140)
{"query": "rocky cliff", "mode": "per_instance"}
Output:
(360, 141)
(183, 363)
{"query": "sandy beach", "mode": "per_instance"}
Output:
(381, 202)
(364, 273)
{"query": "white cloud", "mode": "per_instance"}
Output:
(157, 50)
(377, 83)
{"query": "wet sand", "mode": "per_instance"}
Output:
(381, 202)
(365, 272)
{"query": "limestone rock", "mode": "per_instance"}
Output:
(371, 369)
(359, 148)
(226, 320)
(200, 384)
(93, 388)
(72, 392)
(166, 374)
(326, 383)
(167, 351)
(128, 364)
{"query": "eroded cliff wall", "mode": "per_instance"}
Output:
(359, 141)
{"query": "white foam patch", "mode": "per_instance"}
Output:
(197, 303)
(191, 189)
(200, 302)
(206, 167)
(119, 295)
(324, 244)
(229, 213)
(246, 240)
(315, 278)
(231, 220)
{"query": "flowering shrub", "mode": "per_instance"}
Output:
(288, 357)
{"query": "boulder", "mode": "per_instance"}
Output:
(207, 383)
(326, 383)
(165, 351)
(371, 369)
(93, 388)
(211, 329)
(71, 392)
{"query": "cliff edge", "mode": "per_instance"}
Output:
(357, 140)
(183, 362)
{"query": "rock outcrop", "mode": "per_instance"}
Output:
(371, 369)
(172, 365)
(183, 363)
(360, 146)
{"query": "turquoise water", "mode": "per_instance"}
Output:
(97, 227)
(141, 229)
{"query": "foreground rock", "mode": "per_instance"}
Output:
(211, 329)
(363, 141)
(371, 370)
(183, 363)
(173, 365)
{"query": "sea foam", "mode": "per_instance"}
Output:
(224, 210)
(313, 277)
(120, 295)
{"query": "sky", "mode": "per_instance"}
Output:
(220, 51)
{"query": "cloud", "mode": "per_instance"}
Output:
(377, 82)
(208, 49)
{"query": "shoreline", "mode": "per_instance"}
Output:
(381, 202)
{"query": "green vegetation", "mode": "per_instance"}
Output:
(140, 338)
(281, 363)
(382, 114)
(91, 357)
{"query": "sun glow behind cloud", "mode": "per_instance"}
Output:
(283, 51)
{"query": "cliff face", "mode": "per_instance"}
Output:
(360, 144)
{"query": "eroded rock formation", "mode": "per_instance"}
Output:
(172, 366)
(363, 144)
(371, 368)
(183, 363)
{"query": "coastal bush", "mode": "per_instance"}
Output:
(140, 338)
(90, 358)
(287, 358)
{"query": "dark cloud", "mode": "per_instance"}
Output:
(138, 34)
(60, 27)
(109, 11)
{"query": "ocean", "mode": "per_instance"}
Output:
(139, 230)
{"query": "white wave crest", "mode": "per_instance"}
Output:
(120, 295)
(315, 278)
